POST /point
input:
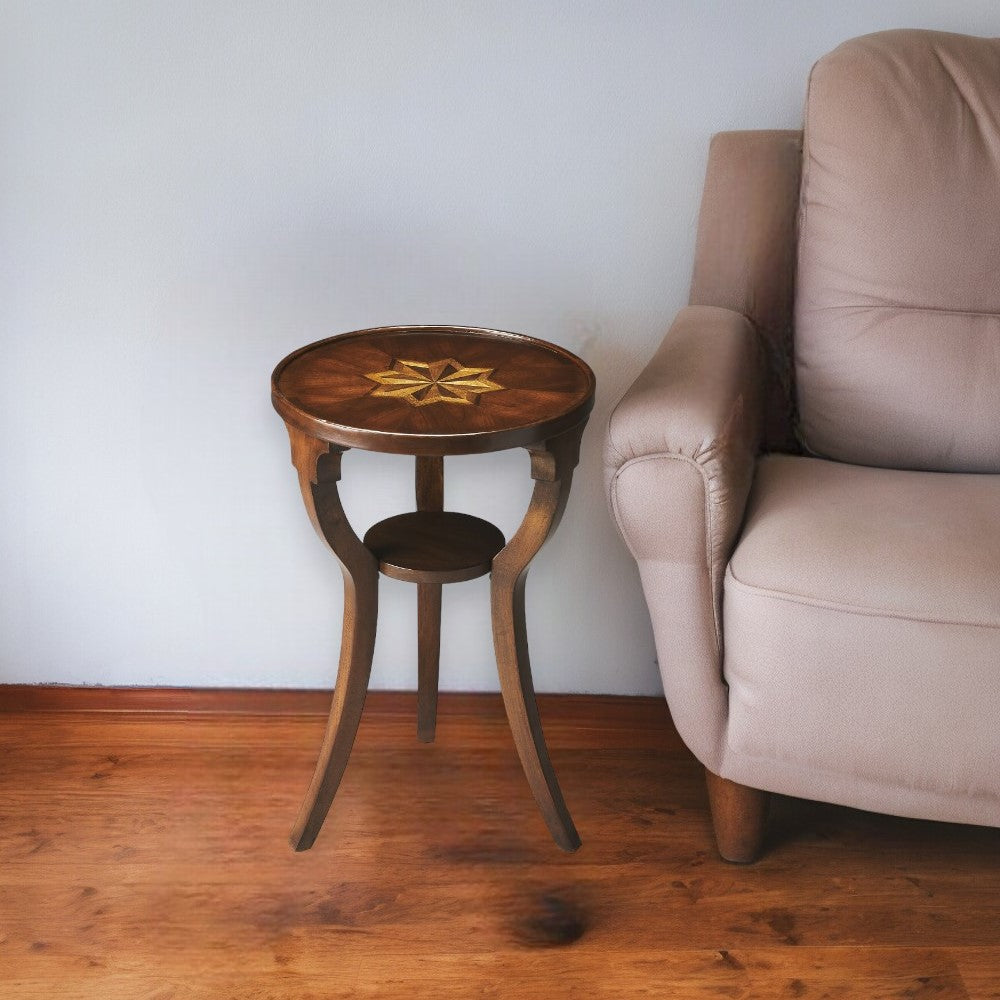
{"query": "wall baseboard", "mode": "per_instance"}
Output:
(596, 709)
(169, 700)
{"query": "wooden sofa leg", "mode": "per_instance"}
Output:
(739, 815)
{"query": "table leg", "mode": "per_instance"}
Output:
(552, 465)
(318, 465)
(430, 496)
(428, 658)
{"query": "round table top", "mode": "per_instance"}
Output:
(433, 390)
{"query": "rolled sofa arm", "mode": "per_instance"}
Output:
(679, 459)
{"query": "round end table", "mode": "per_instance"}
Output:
(431, 391)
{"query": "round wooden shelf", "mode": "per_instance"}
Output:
(434, 546)
(433, 390)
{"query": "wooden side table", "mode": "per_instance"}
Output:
(433, 391)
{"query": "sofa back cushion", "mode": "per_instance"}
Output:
(897, 313)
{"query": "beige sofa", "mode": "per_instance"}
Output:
(808, 471)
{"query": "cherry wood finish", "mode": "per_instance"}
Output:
(141, 857)
(739, 816)
(429, 482)
(429, 488)
(434, 547)
(318, 466)
(552, 465)
(428, 658)
(326, 390)
(431, 392)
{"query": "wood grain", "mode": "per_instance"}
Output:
(577, 720)
(434, 546)
(318, 467)
(325, 389)
(143, 856)
(429, 489)
(739, 817)
(428, 658)
(429, 392)
(552, 465)
(428, 482)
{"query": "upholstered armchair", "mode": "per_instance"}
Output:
(808, 470)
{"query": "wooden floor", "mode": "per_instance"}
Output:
(145, 856)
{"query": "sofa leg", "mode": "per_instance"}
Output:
(739, 815)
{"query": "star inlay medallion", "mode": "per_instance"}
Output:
(423, 383)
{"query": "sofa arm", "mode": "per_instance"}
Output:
(699, 400)
(680, 453)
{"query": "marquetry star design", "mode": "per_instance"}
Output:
(422, 383)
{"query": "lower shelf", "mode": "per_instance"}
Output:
(434, 546)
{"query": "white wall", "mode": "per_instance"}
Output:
(188, 191)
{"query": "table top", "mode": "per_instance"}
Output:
(433, 390)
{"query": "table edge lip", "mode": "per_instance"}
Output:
(401, 442)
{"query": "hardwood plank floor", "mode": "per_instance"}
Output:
(145, 856)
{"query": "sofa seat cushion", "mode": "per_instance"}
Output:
(862, 632)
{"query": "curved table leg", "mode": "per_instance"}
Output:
(318, 466)
(552, 465)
